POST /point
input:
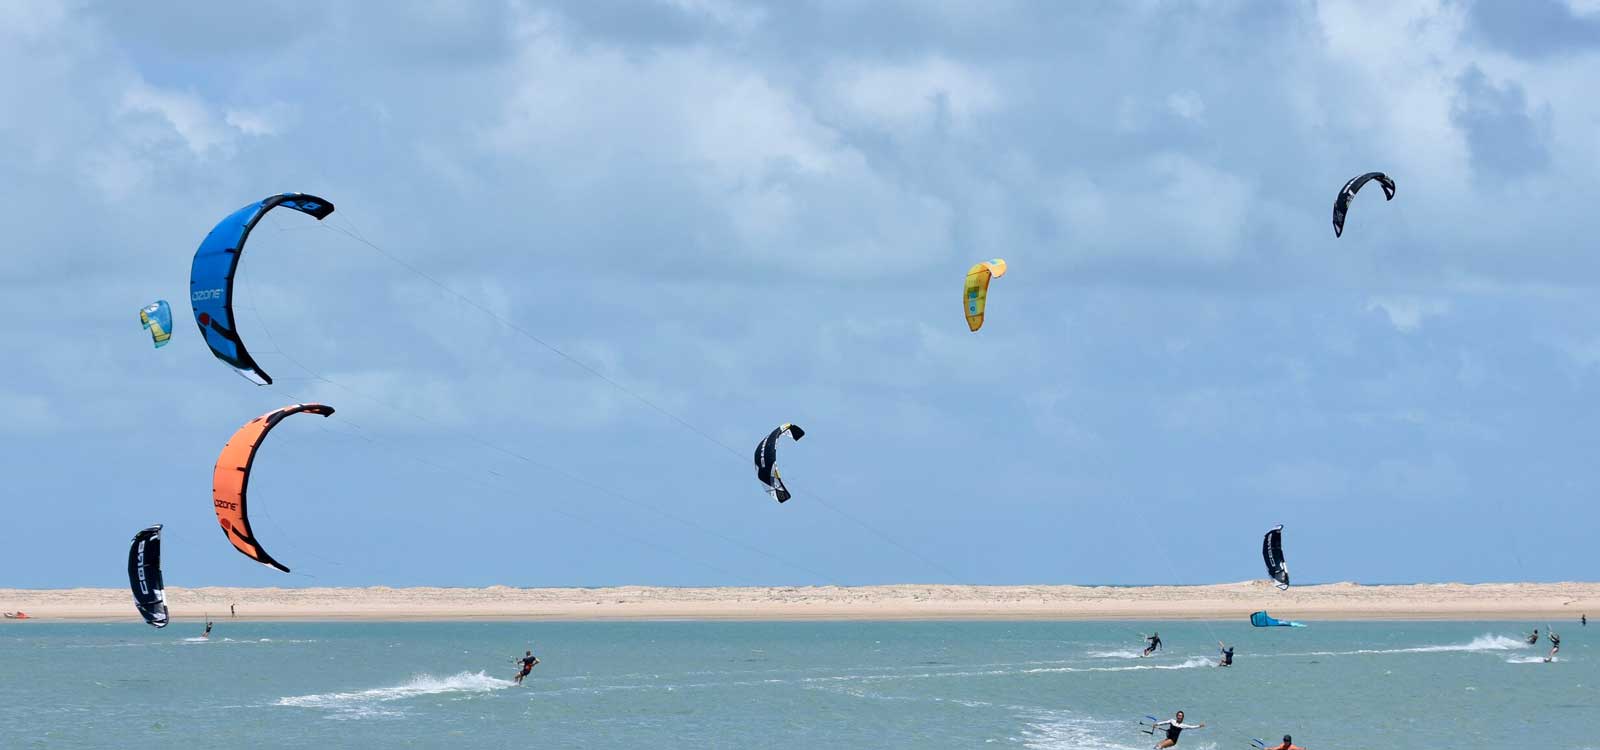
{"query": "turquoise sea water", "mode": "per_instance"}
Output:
(790, 685)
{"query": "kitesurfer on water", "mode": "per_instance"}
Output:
(1227, 655)
(1174, 727)
(1532, 639)
(1555, 645)
(527, 661)
(207, 634)
(1155, 643)
(1287, 745)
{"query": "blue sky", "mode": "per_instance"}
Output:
(747, 214)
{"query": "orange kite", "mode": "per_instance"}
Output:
(231, 479)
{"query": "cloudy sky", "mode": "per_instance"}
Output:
(586, 255)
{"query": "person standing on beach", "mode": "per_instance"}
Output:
(1155, 644)
(231, 612)
(1174, 727)
(1288, 744)
(1227, 655)
(527, 661)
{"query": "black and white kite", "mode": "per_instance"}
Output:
(767, 461)
(1341, 204)
(144, 575)
(1272, 553)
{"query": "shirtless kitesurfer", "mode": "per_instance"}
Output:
(1174, 727)
(527, 661)
(1227, 655)
(1155, 644)
(1287, 745)
(1534, 638)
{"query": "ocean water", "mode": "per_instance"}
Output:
(790, 685)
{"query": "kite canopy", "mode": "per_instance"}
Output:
(767, 460)
(231, 479)
(156, 318)
(144, 576)
(1264, 620)
(1272, 553)
(1341, 204)
(975, 294)
(211, 277)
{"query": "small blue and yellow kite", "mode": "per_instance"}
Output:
(157, 319)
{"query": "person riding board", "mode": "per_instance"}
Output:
(207, 634)
(1174, 727)
(1534, 638)
(1227, 655)
(1155, 644)
(1288, 744)
(1555, 646)
(527, 661)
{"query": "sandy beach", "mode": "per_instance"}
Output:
(1338, 601)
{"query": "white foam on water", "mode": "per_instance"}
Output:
(1118, 654)
(367, 703)
(1486, 642)
(1527, 660)
(1060, 730)
(1193, 662)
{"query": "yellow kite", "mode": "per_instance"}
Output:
(976, 292)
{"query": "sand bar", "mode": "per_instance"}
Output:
(1339, 601)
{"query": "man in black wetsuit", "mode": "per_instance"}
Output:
(207, 634)
(1227, 655)
(1174, 727)
(1555, 645)
(527, 661)
(1155, 643)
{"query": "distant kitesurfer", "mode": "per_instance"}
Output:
(1287, 745)
(1227, 655)
(207, 634)
(1532, 639)
(1155, 644)
(1174, 727)
(1584, 619)
(527, 661)
(1555, 645)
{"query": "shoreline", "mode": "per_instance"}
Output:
(902, 602)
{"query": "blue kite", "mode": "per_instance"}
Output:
(211, 277)
(157, 319)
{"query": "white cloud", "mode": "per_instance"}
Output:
(186, 113)
(894, 96)
(1406, 314)
(1166, 205)
(1188, 105)
(268, 120)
